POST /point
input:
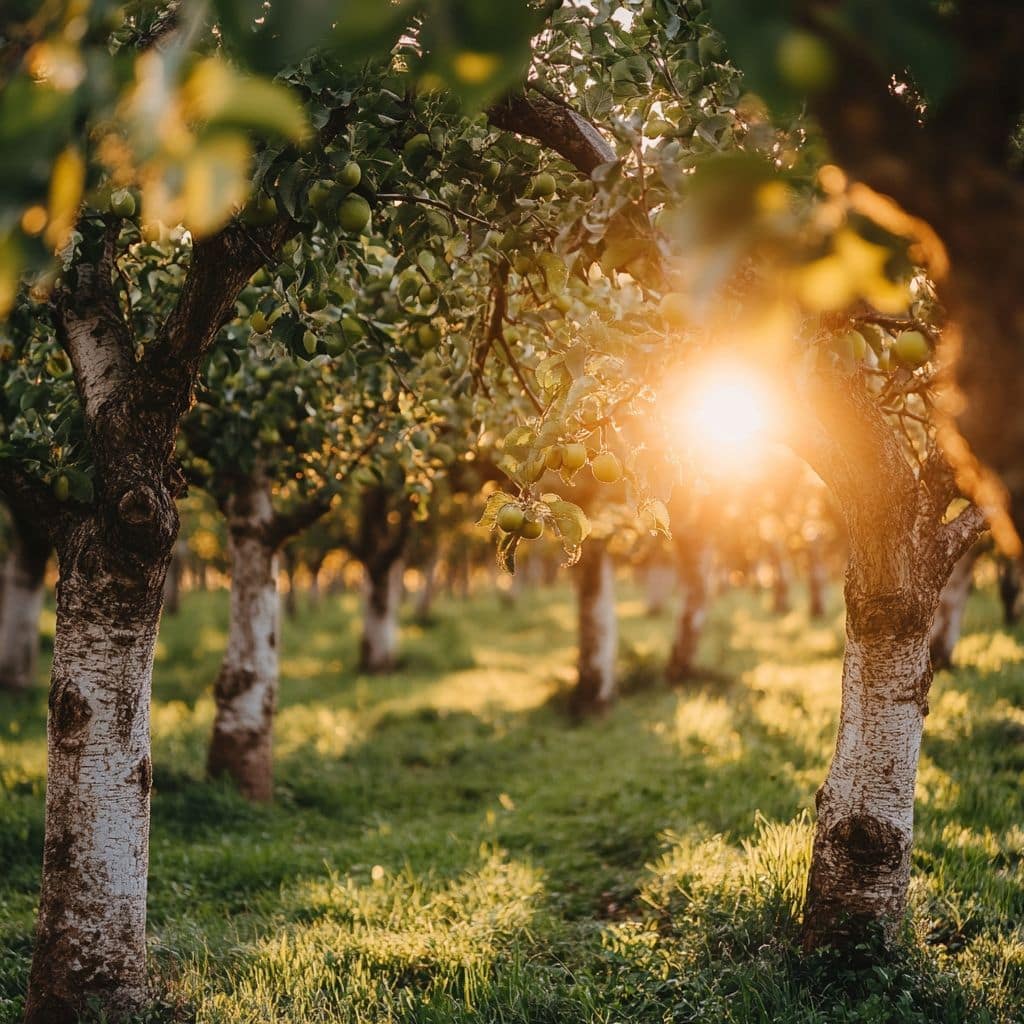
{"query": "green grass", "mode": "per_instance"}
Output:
(447, 847)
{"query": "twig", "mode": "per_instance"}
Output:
(401, 197)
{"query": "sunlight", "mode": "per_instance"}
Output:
(726, 412)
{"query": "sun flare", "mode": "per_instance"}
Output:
(727, 411)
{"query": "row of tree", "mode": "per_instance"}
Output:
(274, 249)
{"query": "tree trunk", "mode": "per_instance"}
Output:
(382, 596)
(428, 590)
(315, 569)
(91, 934)
(860, 869)
(1009, 590)
(291, 597)
(172, 582)
(246, 688)
(781, 582)
(694, 564)
(21, 601)
(659, 582)
(901, 553)
(598, 630)
(817, 581)
(950, 614)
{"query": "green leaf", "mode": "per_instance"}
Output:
(492, 506)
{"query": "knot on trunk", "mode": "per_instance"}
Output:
(898, 614)
(233, 681)
(868, 842)
(146, 519)
(69, 714)
(138, 507)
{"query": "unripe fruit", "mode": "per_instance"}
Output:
(258, 322)
(350, 175)
(606, 468)
(851, 345)
(574, 456)
(543, 185)
(553, 458)
(912, 349)
(428, 336)
(427, 294)
(61, 487)
(531, 529)
(510, 518)
(309, 342)
(805, 61)
(674, 309)
(492, 171)
(122, 203)
(353, 213)
(260, 211)
(321, 198)
(416, 150)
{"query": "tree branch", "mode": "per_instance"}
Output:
(956, 536)
(555, 126)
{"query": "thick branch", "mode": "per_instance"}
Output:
(956, 536)
(91, 329)
(555, 126)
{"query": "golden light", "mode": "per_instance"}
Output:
(726, 412)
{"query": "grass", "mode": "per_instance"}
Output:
(446, 847)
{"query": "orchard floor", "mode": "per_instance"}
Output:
(446, 847)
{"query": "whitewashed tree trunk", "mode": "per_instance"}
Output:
(949, 616)
(861, 863)
(659, 580)
(21, 602)
(246, 688)
(694, 560)
(428, 589)
(598, 630)
(901, 555)
(382, 597)
(91, 933)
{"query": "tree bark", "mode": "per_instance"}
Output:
(428, 589)
(1009, 590)
(246, 688)
(598, 631)
(694, 563)
(659, 582)
(384, 519)
(781, 581)
(291, 597)
(172, 583)
(91, 933)
(949, 616)
(901, 554)
(315, 568)
(21, 602)
(382, 595)
(860, 869)
(817, 581)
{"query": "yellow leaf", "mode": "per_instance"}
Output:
(216, 181)
(475, 68)
(66, 184)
